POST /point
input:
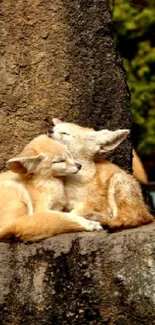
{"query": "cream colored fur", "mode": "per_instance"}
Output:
(138, 169)
(33, 187)
(102, 190)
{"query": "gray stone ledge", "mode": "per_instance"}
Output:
(84, 278)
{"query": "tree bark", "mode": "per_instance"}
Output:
(58, 60)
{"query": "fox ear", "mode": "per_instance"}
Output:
(56, 121)
(23, 164)
(109, 140)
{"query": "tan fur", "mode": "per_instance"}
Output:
(33, 188)
(101, 191)
(138, 169)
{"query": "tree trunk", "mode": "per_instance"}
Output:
(58, 60)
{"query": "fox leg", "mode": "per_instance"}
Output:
(126, 207)
(126, 203)
(84, 210)
(46, 224)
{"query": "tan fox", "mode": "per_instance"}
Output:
(33, 187)
(102, 190)
(138, 169)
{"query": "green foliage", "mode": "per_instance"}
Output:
(134, 31)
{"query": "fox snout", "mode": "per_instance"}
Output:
(49, 134)
(56, 136)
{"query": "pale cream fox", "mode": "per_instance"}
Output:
(33, 187)
(100, 189)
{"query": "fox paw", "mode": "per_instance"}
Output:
(93, 225)
(86, 224)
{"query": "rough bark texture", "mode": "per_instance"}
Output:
(87, 278)
(58, 60)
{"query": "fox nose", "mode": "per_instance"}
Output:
(78, 166)
(50, 133)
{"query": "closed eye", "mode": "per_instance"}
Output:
(65, 133)
(58, 161)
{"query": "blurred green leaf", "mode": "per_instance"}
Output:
(134, 32)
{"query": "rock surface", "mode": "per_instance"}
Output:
(57, 59)
(80, 279)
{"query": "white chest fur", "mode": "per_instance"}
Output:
(75, 195)
(76, 185)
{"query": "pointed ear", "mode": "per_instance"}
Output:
(24, 165)
(109, 140)
(56, 121)
(91, 135)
